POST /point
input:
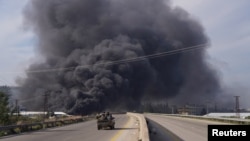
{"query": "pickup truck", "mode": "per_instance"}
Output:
(105, 123)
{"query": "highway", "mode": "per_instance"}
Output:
(185, 128)
(126, 129)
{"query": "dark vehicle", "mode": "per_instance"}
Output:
(105, 120)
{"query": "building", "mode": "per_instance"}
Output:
(39, 113)
(228, 115)
(190, 109)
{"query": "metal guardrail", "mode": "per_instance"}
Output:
(42, 125)
(11, 127)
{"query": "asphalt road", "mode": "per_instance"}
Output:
(126, 129)
(185, 128)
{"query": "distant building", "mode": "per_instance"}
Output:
(39, 113)
(228, 115)
(190, 109)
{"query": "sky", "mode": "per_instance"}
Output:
(16, 42)
(226, 23)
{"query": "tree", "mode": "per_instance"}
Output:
(5, 89)
(11, 102)
(4, 109)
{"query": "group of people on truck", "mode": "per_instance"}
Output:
(104, 116)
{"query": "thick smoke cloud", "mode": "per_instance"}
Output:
(86, 35)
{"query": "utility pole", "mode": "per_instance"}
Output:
(215, 107)
(237, 106)
(45, 104)
(172, 109)
(207, 108)
(195, 109)
(17, 109)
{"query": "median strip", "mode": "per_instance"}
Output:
(143, 131)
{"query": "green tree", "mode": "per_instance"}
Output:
(4, 110)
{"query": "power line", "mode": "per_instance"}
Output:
(135, 59)
(6, 82)
(30, 99)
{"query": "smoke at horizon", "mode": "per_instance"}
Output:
(82, 34)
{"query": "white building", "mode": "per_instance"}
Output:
(227, 115)
(37, 113)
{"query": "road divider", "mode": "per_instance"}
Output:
(218, 119)
(143, 131)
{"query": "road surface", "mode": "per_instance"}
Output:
(185, 128)
(126, 129)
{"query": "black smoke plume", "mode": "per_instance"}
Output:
(84, 36)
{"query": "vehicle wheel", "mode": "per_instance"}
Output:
(98, 127)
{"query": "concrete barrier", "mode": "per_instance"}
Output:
(143, 131)
(218, 119)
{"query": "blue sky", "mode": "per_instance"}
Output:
(16, 44)
(226, 22)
